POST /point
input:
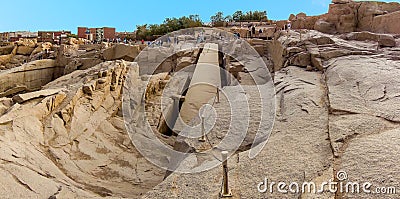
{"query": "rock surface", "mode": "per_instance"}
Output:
(343, 117)
(63, 135)
(121, 51)
(346, 16)
(70, 144)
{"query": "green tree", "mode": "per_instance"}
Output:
(228, 18)
(237, 16)
(142, 32)
(250, 16)
(169, 25)
(218, 19)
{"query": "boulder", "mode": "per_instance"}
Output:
(47, 46)
(301, 59)
(291, 17)
(386, 40)
(121, 51)
(32, 75)
(322, 40)
(388, 23)
(80, 64)
(4, 59)
(27, 42)
(36, 51)
(378, 17)
(13, 90)
(293, 50)
(260, 49)
(268, 32)
(6, 50)
(17, 60)
(324, 26)
(301, 15)
(183, 62)
(304, 22)
(366, 13)
(29, 96)
(317, 63)
(362, 36)
(89, 62)
(343, 16)
(25, 50)
(88, 89)
(71, 67)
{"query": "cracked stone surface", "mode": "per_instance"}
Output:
(361, 84)
(73, 143)
(294, 152)
(343, 116)
(337, 109)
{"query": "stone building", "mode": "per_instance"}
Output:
(96, 34)
(15, 36)
(54, 37)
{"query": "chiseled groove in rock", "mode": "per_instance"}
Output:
(328, 109)
(19, 181)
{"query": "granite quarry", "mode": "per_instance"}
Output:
(82, 120)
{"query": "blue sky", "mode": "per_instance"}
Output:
(125, 15)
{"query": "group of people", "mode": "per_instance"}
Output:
(253, 32)
(201, 37)
(237, 35)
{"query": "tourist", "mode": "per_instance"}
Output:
(236, 35)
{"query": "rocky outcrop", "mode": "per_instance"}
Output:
(388, 23)
(150, 59)
(384, 40)
(121, 51)
(6, 50)
(26, 46)
(21, 98)
(80, 64)
(345, 116)
(74, 57)
(325, 27)
(343, 16)
(368, 12)
(346, 16)
(290, 135)
(23, 51)
(31, 76)
(301, 21)
(337, 108)
(72, 143)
